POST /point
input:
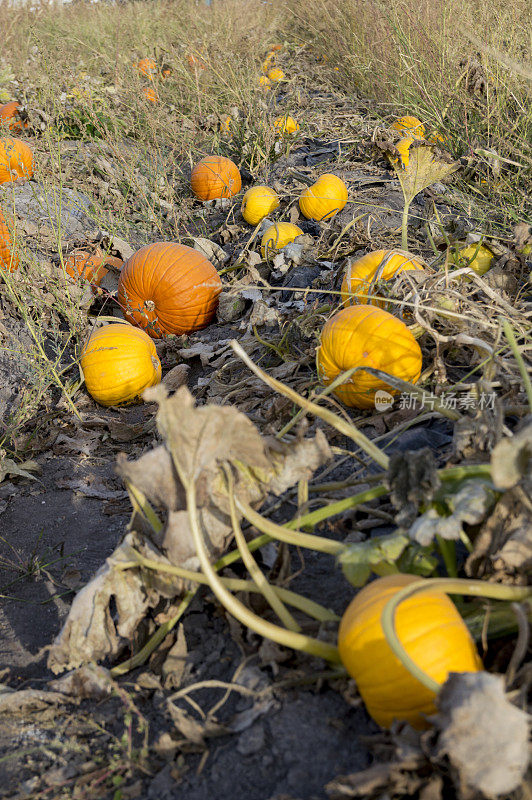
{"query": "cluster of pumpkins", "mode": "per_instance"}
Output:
(168, 288)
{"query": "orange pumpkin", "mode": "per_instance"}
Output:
(214, 177)
(150, 94)
(379, 265)
(118, 363)
(195, 62)
(8, 260)
(90, 267)
(365, 336)
(10, 116)
(433, 634)
(16, 160)
(147, 67)
(168, 288)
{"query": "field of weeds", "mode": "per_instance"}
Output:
(265, 400)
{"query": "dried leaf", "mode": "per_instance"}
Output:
(511, 459)
(424, 167)
(198, 441)
(89, 682)
(413, 480)
(484, 736)
(468, 505)
(176, 377)
(28, 700)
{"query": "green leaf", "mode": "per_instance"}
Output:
(378, 555)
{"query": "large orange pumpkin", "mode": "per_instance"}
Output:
(168, 288)
(10, 116)
(365, 336)
(8, 260)
(90, 267)
(118, 363)
(379, 265)
(16, 160)
(214, 177)
(430, 629)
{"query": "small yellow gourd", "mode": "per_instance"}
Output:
(366, 336)
(257, 203)
(276, 74)
(410, 125)
(277, 236)
(286, 124)
(323, 199)
(430, 629)
(118, 363)
(379, 265)
(481, 262)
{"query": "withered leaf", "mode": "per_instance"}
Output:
(482, 734)
(511, 459)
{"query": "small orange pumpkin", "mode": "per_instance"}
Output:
(90, 267)
(16, 160)
(8, 259)
(168, 288)
(365, 336)
(147, 67)
(214, 177)
(150, 94)
(379, 265)
(118, 363)
(10, 116)
(430, 629)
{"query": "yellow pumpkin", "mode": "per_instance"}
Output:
(379, 265)
(268, 62)
(479, 263)
(277, 236)
(118, 363)
(403, 146)
(324, 198)
(265, 82)
(258, 202)
(366, 336)
(226, 125)
(430, 629)
(286, 124)
(276, 74)
(410, 125)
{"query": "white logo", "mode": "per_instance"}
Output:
(383, 400)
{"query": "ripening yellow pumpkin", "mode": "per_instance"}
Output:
(436, 138)
(403, 146)
(268, 62)
(265, 82)
(286, 124)
(479, 263)
(323, 199)
(430, 629)
(277, 236)
(379, 265)
(276, 74)
(257, 203)
(118, 363)
(410, 125)
(366, 336)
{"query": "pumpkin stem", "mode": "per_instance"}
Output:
(292, 639)
(471, 588)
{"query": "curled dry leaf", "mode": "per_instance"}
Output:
(511, 459)
(413, 479)
(484, 737)
(197, 442)
(468, 505)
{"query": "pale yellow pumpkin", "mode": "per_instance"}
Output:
(277, 236)
(479, 263)
(403, 146)
(257, 203)
(118, 363)
(323, 199)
